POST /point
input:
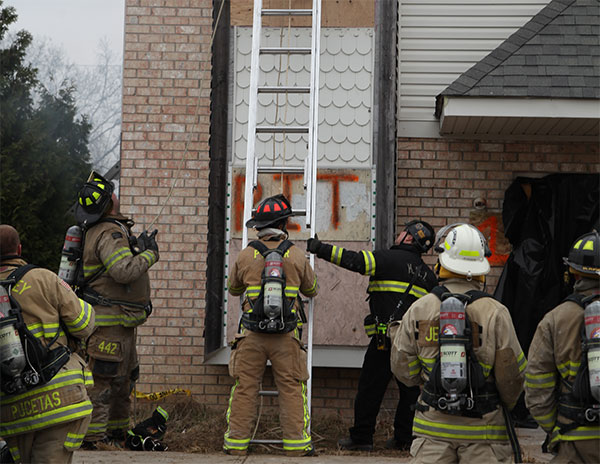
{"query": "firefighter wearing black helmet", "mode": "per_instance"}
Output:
(557, 380)
(256, 343)
(116, 283)
(397, 277)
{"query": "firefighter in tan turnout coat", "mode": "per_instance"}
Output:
(461, 425)
(46, 423)
(276, 339)
(557, 387)
(115, 270)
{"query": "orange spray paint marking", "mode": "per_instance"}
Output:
(238, 200)
(490, 227)
(335, 180)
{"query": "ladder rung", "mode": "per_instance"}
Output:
(284, 50)
(282, 129)
(287, 12)
(278, 169)
(295, 89)
(266, 442)
(268, 393)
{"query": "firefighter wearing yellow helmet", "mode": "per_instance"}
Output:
(115, 281)
(460, 345)
(562, 381)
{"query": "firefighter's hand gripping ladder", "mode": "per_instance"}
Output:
(309, 170)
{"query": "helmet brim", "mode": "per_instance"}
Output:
(82, 215)
(475, 267)
(583, 270)
(253, 223)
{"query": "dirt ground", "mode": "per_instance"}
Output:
(530, 441)
(195, 436)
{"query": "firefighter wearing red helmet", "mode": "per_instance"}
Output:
(397, 277)
(562, 384)
(270, 331)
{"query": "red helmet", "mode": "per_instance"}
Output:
(270, 211)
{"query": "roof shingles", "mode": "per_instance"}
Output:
(556, 55)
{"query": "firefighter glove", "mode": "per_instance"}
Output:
(313, 244)
(148, 242)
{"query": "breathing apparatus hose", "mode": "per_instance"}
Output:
(512, 435)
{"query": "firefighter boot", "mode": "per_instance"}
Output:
(350, 445)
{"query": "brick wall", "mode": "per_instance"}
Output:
(166, 92)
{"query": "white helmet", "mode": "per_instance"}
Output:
(464, 250)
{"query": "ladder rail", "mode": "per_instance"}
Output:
(252, 113)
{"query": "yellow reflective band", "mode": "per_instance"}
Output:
(522, 362)
(577, 245)
(117, 256)
(568, 368)
(80, 201)
(369, 263)
(468, 253)
(547, 419)
(446, 245)
(88, 202)
(83, 319)
(312, 289)
(56, 416)
(96, 195)
(466, 432)
(579, 433)
(62, 379)
(336, 255)
(589, 245)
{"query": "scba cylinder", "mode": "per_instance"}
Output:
(592, 333)
(453, 356)
(70, 255)
(12, 357)
(273, 290)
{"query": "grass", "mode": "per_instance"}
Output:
(194, 428)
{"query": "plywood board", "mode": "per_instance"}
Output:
(334, 13)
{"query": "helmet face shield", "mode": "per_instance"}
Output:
(463, 249)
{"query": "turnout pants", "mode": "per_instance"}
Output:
(577, 452)
(54, 445)
(249, 356)
(428, 451)
(114, 365)
(374, 378)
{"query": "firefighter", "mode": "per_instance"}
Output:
(276, 339)
(397, 277)
(115, 271)
(459, 416)
(47, 422)
(557, 387)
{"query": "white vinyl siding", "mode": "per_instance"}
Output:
(438, 40)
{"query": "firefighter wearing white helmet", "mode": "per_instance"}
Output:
(562, 380)
(460, 345)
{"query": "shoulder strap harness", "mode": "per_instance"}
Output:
(43, 363)
(482, 396)
(255, 319)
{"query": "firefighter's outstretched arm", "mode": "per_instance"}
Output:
(362, 262)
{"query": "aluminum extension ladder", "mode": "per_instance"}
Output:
(309, 170)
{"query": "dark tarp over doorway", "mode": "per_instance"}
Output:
(542, 218)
